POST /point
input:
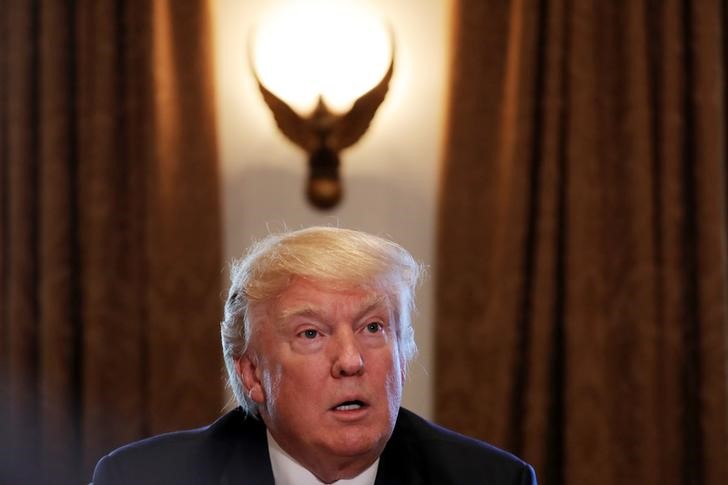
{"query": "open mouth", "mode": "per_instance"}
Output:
(350, 405)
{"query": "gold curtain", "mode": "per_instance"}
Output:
(581, 301)
(110, 246)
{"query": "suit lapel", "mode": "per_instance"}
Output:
(240, 442)
(249, 464)
(398, 464)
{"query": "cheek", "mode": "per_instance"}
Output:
(271, 378)
(394, 380)
(294, 383)
(397, 364)
(394, 393)
(392, 375)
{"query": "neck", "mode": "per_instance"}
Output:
(327, 467)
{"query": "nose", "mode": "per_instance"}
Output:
(348, 360)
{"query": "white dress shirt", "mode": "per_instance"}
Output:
(287, 471)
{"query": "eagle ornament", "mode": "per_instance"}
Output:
(323, 135)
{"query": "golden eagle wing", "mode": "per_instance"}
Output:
(294, 127)
(351, 126)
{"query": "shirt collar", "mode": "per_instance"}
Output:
(287, 471)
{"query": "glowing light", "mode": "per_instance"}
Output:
(338, 49)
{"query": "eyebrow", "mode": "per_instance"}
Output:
(302, 310)
(308, 310)
(372, 303)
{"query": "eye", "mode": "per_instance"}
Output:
(374, 327)
(309, 333)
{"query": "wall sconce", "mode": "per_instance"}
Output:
(319, 58)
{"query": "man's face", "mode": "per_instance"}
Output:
(325, 370)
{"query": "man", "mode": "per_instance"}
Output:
(316, 339)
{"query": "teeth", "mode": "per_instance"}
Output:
(348, 407)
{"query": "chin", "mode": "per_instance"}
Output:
(359, 442)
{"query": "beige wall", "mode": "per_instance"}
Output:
(390, 176)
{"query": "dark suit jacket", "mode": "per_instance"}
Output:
(234, 451)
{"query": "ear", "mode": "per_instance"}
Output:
(250, 375)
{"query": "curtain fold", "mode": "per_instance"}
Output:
(110, 238)
(581, 300)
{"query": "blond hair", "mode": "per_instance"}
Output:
(334, 256)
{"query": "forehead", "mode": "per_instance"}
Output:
(304, 296)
